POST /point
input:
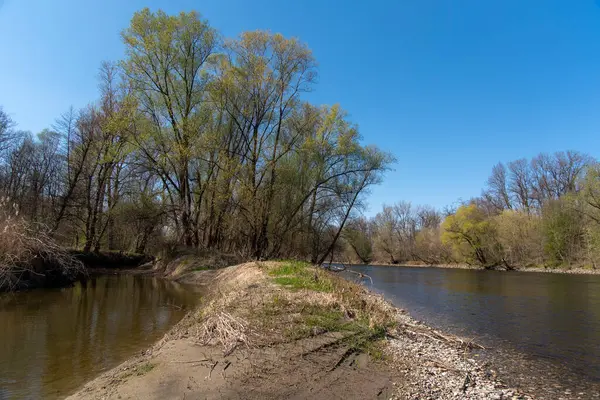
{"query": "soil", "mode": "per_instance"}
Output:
(180, 369)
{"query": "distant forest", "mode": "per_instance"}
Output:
(539, 212)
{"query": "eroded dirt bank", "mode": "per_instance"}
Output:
(286, 330)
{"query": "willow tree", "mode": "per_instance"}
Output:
(166, 67)
(472, 235)
(261, 79)
(328, 173)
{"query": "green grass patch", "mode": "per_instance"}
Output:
(304, 282)
(375, 348)
(319, 318)
(201, 268)
(296, 275)
(144, 368)
(362, 323)
(290, 268)
(140, 370)
(360, 337)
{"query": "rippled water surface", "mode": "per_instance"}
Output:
(53, 341)
(552, 318)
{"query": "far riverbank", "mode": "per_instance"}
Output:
(555, 270)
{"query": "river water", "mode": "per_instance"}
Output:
(54, 341)
(547, 325)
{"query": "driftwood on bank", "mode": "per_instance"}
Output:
(421, 330)
(342, 268)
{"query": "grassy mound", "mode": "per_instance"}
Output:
(267, 303)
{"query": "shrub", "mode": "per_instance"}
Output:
(28, 255)
(563, 232)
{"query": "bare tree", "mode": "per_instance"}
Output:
(498, 190)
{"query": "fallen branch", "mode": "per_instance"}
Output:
(189, 362)
(438, 336)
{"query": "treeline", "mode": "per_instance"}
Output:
(539, 212)
(195, 141)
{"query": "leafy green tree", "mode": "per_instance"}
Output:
(472, 235)
(166, 67)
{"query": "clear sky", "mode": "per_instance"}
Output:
(450, 87)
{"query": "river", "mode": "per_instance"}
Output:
(54, 341)
(545, 327)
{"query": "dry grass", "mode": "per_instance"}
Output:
(224, 329)
(221, 320)
(28, 254)
(179, 262)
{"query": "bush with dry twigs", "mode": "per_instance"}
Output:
(29, 257)
(224, 329)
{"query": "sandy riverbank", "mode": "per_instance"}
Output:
(283, 330)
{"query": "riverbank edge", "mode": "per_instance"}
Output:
(420, 362)
(66, 267)
(574, 270)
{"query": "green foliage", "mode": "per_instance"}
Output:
(586, 203)
(589, 195)
(562, 232)
(472, 235)
(316, 318)
(520, 235)
(592, 242)
(360, 336)
(200, 142)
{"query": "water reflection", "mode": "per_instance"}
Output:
(53, 341)
(554, 316)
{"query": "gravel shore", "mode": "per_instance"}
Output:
(435, 365)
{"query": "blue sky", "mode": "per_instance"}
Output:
(450, 87)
